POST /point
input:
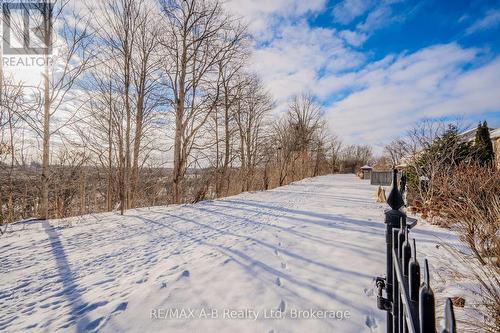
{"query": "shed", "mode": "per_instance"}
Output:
(367, 171)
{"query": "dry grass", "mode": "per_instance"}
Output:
(468, 199)
(485, 314)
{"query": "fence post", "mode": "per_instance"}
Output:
(410, 307)
(392, 220)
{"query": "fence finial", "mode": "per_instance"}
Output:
(414, 274)
(427, 307)
(406, 254)
(449, 318)
(401, 238)
(395, 200)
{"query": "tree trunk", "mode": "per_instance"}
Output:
(226, 143)
(126, 180)
(178, 172)
(243, 163)
(177, 151)
(44, 209)
(109, 190)
(137, 146)
(217, 153)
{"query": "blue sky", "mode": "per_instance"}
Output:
(380, 66)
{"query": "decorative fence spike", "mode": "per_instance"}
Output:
(449, 318)
(410, 306)
(406, 254)
(401, 239)
(395, 199)
(414, 274)
(427, 307)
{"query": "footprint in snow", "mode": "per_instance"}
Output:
(120, 308)
(185, 274)
(278, 282)
(97, 324)
(368, 291)
(85, 308)
(141, 280)
(282, 306)
(94, 325)
(284, 265)
(371, 322)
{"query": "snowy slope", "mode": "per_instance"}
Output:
(315, 244)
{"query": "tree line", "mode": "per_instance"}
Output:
(132, 82)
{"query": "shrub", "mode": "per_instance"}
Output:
(468, 197)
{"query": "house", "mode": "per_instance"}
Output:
(470, 135)
(467, 136)
(495, 139)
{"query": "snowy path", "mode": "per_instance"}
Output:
(315, 244)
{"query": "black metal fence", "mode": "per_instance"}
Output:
(409, 302)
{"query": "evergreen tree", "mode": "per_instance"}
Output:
(483, 145)
(448, 149)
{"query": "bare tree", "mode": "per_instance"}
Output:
(11, 101)
(253, 107)
(335, 148)
(425, 166)
(65, 32)
(224, 95)
(145, 67)
(396, 151)
(354, 156)
(300, 137)
(305, 122)
(127, 33)
(193, 46)
(99, 128)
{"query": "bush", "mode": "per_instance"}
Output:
(468, 197)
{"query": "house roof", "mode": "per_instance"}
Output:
(495, 134)
(470, 135)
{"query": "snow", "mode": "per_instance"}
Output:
(314, 245)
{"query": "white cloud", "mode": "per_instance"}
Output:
(264, 16)
(377, 18)
(489, 21)
(382, 15)
(354, 38)
(348, 10)
(299, 57)
(398, 91)
(369, 102)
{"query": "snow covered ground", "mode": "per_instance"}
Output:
(311, 248)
